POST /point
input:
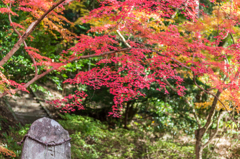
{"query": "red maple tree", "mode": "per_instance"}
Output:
(148, 47)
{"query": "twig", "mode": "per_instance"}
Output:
(215, 144)
(119, 22)
(217, 98)
(29, 30)
(213, 136)
(194, 111)
(25, 44)
(71, 60)
(232, 38)
(123, 39)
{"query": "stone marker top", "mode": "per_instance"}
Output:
(46, 139)
(46, 130)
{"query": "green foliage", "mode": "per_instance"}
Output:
(209, 6)
(163, 149)
(79, 7)
(14, 135)
(169, 111)
(85, 128)
(2, 119)
(91, 139)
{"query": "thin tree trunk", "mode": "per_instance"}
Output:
(201, 131)
(198, 146)
(126, 115)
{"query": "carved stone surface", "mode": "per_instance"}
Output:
(48, 131)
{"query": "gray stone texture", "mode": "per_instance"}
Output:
(48, 131)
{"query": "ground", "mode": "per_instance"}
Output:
(223, 143)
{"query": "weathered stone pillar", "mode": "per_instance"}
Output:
(46, 139)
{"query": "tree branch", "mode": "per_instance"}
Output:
(27, 33)
(170, 58)
(217, 98)
(232, 38)
(194, 111)
(123, 39)
(66, 62)
(213, 136)
(25, 44)
(175, 90)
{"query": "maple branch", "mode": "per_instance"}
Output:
(194, 111)
(34, 61)
(232, 38)
(212, 112)
(29, 30)
(127, 16)
(10, 20)
(214, 104)
(175, 90)
(123, 39)
(213, 136)
(172, 88)
(25, 44)
(69, 61)
(97, 55)
(216, 97)
(119, 22)
(37, 77)
(114, 27)
(170, 58)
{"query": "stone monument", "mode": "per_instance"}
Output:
(46, 139)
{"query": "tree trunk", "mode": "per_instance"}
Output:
(198, 146)
(126, 115)
(198, 149)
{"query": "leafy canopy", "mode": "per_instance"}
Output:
(139, 43)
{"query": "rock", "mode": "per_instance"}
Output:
(46, 139)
